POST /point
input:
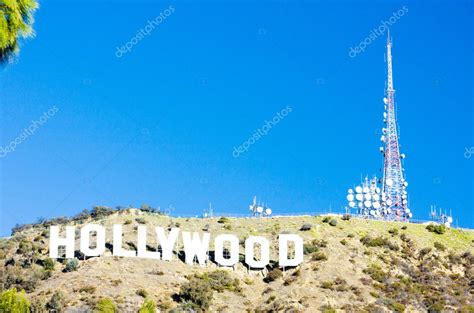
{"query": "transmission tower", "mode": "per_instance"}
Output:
(393, 184)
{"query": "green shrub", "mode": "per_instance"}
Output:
(309, 248)
(439, 246)
(71, 265)
(346, 217)
(376, 273)
(273, 275)
(319, 256)
(57, 303)
(140, 220)
(48, 264)
(87, 289)
(343, 242)
(393, 231)
(148, 306)
(142, 293)
(333, 222)
(13, 301)
(437, 229)
(197, 293)
(327, 285)
(326, 219)
(306, 227)
(404, 227)
(223, 220)
(351, 235)
(105, 305)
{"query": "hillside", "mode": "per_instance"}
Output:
(355, 266)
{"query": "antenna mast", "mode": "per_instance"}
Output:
(394, 184)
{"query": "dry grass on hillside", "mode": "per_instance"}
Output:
(355, 266)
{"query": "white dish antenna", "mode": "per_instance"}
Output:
(368, 196)
(359, 197)
(350, 191)
(260, 209)
(367, 204)
(389, 202)
(350, 197)
(268, 211)
(352, 204)
(376, 205)
(389, 182)
(385, 100)
(366, 190)
(359, 189)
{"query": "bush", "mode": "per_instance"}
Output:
(87, 289)
(319, 256)
(197, 292)
(439, 246)
(404, 227)
(273, 275)
(223, 220)
(374, 242)
(105, 305)
(149, 306)
(57, 303)
(346, 217)
(13, 301)
(437, 229)
(376, 273)
(140, 220)
(309, 248)
(48, 264)
(101, 211)
(306, 227)
(333, 222)
(142, 293)
(393, 231)
(71, 265)
(326, 219)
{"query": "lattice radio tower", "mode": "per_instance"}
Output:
(393, 184)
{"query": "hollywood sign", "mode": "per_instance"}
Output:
(196, 246)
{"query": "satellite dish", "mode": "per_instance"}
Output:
(350, 191)
(410, 215)
(389, 202)
(407, 210)
(372, 212)
(368, 196)
(381, 149)
(402, 155)
(268, 211)
(384, 114)
(367, 204)
(376, 205)
(382, 138)
(359, 189)
(360, 205)
(352, 204)
(385, 100)
(359, 197)
(450, 219)
(259, 209)
(366, 190)
(376, 197)
(404, 201)
(389, 182)
(377, 190)
(405, 184)
(350, 197)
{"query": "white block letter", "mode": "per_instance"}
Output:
(118, 251)
(85, 240)
(141, 246)
(264, 251)
(167, 243)
(283, 250)
(195, 247)
(55, 242)
(234, 249)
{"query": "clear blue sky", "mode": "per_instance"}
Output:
(159, 124)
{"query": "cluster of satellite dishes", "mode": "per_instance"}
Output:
(371, 201)
(258, 210)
